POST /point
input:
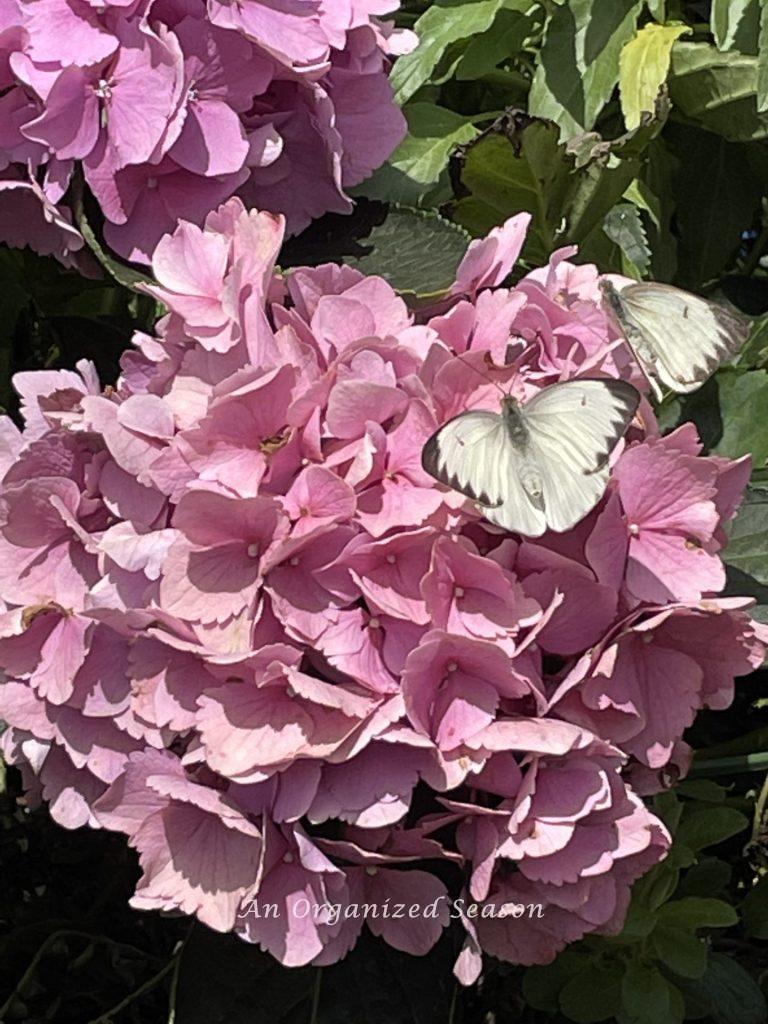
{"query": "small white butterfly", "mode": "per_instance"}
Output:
(678, 338)
(539, 466)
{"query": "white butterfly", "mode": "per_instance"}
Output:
(540, 466)
(678, 338)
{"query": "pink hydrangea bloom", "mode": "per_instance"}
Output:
(286, 103)
(243, 627)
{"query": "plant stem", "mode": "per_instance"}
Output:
(316, 996)
(759, 811)
(106, 1018)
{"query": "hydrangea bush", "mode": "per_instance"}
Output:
(245, 628)
(168, 108)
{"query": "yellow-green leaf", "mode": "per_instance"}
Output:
(643, 68)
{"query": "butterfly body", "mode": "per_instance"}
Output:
(538, 466)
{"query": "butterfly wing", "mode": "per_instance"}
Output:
(572, 429)
(685, 337)
(474, 454)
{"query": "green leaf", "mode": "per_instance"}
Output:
(693, 912)
(504, 39)
(655, 195)
(717, 90)
(518, 165)
(707, 878)
(710, 825)
(624, 226)
(578, 65)
(747, 547)
(703, 790)
(762, 60)
(639, 922)
(416, 166)
(743, 400)
(716, 176)
(593, 995)
(755, 351)
(729, 993)
(643, 67)
(735, 24)
(542, 985)
(121, 272)
(418, 252)
(680, 951)
(443, 24)
(646, 993)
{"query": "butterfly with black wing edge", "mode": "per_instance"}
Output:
(538, 466)
(677, 338)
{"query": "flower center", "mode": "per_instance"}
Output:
(103, 89)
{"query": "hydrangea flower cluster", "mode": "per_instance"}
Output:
(171, 106)
(245, 628)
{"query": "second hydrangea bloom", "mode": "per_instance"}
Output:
(168, 108)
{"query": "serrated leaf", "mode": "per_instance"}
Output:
(708, 826)
(416, 251)
(578, 64)
(717, 90)
(643, 68)
(624, 226)
(518, 165)
(747, 548)
(755, 351)
(735, 24)
(743, 398)
(693, 912)
(443, 24)
(755, 910)
(125, 275)
(680, 950)
(416, 166)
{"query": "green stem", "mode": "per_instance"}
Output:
(106, 1018)
(53, 938)
(316, 996)
(759, 811)
(725, 765)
